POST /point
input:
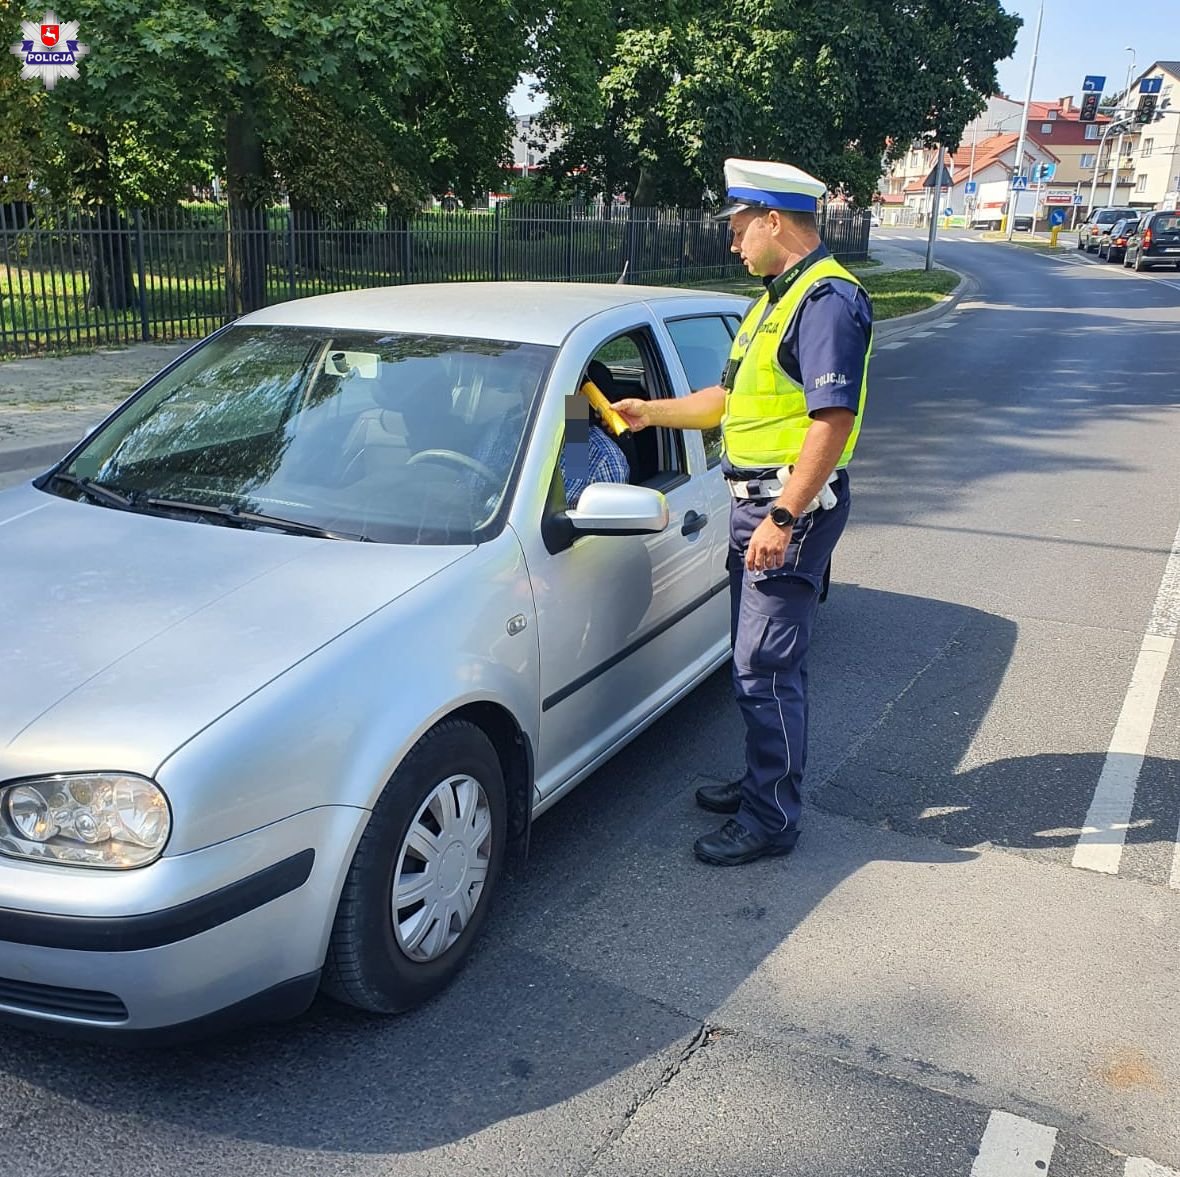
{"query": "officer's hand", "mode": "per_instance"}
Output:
(636, 412)
(768, 547)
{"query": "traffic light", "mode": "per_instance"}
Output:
(1089, 108)
(1145, 112)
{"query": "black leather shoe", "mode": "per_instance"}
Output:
(733, 844)
(720, 798)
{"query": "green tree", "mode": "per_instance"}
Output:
(830, 85)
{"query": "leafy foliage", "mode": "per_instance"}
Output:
(828, 84)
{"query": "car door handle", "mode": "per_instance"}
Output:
(693, 523)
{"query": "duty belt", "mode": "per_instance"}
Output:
(754, 488)
(760, 489)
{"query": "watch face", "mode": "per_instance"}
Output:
(781, 516)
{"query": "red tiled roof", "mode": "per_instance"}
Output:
(991, 151)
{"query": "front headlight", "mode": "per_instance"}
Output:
(111, 820)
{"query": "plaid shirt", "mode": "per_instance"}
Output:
(606, 464)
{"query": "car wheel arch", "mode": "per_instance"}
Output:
(514, 750)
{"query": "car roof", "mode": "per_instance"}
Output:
(527, 312)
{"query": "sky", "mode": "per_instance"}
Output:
(1074, 43)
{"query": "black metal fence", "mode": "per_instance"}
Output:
(79, 278)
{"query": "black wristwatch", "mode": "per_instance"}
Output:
(781, 517)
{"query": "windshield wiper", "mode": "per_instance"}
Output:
(96, 491)
(234, 515)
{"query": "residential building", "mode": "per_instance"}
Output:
(905, 200)
(1055, 134)
(1155, 156)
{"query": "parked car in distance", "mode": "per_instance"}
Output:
(1097, 222)
(1113, 243)
(302, 637)
(1155, 242)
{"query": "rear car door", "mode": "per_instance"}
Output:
(1165, 237)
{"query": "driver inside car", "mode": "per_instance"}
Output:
(597, 458)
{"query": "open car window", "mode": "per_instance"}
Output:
(392, 437)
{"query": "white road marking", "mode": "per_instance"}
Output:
(1174, 881)
(1142, 1167)
(1100, 848)
(921, 334)
(890, 346)
(1014, 1147)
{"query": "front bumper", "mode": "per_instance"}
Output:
(179, 941)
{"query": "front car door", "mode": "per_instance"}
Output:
(627, 623)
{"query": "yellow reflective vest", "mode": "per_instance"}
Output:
(766, 417)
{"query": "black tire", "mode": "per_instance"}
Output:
(366, 966)
(1126, 262)
(1100, 255)
(1139, 266)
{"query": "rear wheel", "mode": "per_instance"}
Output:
(421, 881)
(1139, 266)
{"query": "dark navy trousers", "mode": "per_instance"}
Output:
(771, 618)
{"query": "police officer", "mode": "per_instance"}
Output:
(789, 404)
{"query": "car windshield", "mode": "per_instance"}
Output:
(395, 438)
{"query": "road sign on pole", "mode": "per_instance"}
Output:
(1093, 84)
(1151, 85)
(1056, 216)
(1078, 199)
(970, 188)
(1019, 183)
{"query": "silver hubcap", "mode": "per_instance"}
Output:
(441, 868)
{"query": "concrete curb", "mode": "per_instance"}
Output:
(43, 454)
(904, 324)
(46, 452)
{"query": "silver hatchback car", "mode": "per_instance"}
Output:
(304, 635)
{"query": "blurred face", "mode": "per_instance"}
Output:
(757, 239)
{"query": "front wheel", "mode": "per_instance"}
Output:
(421, 880)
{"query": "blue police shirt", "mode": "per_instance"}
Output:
(825, 346)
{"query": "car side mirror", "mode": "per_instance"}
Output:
(608, 508)
(615, 508)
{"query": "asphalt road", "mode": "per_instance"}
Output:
(929, 985)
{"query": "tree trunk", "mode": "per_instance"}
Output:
(307, 236)
(246, 242)
(645, 190)
(110, 283)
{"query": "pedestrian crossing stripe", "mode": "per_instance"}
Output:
(1015, 1147)
(1142, 1167)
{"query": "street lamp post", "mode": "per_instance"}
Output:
(1121, 125)
(1032, 73)
(1118, 153)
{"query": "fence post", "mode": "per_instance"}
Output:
(569, 244)
(145, 334)
(407, 251)
(630, 264)
(498, 246)
(680, 260)
(291, 249)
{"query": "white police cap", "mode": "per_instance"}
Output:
(763, 184)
